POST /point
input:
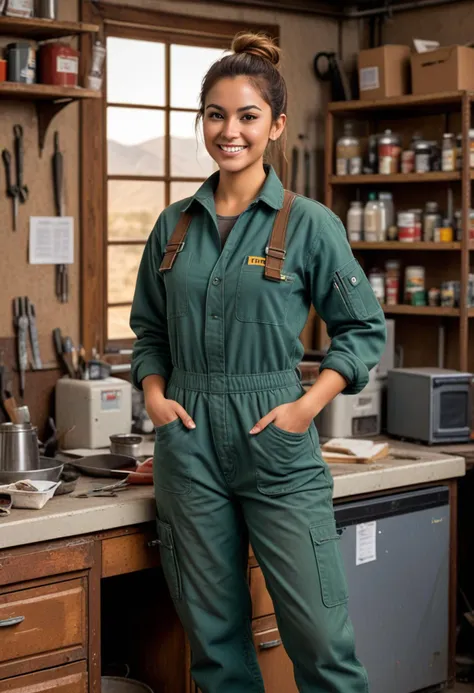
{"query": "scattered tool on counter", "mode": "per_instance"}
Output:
(108, 491)
(62, 275)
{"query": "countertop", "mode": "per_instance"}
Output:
(67, 516)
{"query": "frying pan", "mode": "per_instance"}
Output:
(105, 465)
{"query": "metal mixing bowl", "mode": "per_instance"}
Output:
(48, 470)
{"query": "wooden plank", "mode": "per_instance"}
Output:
(65, 679)
(41, 29)
(452, 98)
(438, 311)
(33, 562)
(128, 554)
(398, 245)
(380, 179)
(94, 620)
(45, 92)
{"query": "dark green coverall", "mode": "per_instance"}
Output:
(226, 341)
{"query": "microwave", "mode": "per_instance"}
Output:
(430, 405)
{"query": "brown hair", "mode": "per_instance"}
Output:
(257, 57)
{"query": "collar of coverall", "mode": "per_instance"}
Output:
(272, 192)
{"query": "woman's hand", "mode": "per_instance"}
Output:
(162, 411)
(294, 417)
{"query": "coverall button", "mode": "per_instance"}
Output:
(354, 280)
(216, 281)
(215, 317)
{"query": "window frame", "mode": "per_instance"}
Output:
(126, 22)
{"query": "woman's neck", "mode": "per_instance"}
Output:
(237, 190)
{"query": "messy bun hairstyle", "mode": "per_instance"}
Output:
(257, 57)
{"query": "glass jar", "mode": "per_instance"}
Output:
(348, 153)
(392, 282)
(389, 150)
(448, 153)
(415, 284)
(431, 221)
(377, 282)
(422, 156)
(355, 221)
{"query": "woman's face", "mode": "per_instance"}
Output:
(237, 124)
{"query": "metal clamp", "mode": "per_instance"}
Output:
(275, 252)
(170, 248)
(270, 644)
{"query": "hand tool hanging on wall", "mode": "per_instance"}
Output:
(12, 190)
(19, 152)
(8, 402)
(328, 68)
(20, 321)
(35, 350)
(62, 276)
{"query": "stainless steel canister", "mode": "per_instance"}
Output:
(48, 9)
(18, 447)
(126, 444)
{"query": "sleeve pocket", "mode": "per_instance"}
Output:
(330, 566)
(355, 291)
(169, 559)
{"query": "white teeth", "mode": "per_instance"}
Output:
(231, 149)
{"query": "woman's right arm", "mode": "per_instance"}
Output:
(151, 360)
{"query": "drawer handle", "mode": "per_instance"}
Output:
(11, 621)
(268, 645)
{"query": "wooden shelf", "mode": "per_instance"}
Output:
(443, 99)
(44, 92)
(437, 311)
(379, 179)
(399, 245)
(43, 29)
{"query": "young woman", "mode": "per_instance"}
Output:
(237, 455)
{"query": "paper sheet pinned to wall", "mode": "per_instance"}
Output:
(366, 542)
(51, 241)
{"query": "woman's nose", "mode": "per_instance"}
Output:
(230, 129)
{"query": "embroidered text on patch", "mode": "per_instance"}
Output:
(253, 260)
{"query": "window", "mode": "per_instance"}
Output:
(153, 156)
(139, 151)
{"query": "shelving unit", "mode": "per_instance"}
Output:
(49, 99)
(434, 114)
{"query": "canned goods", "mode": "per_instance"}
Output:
(406, 222)
(422, 156)
(418, 222)
(431, 221)
(448, 294)
(408, 161)
(458, 224)
(415, 285)
(392, 282)
(446, 232)
(434, 297)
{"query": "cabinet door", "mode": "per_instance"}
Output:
(67, 679)
(276, 666)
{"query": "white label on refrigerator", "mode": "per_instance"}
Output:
(366, 542)
(67, 65)
(369, 78)
(51, 240)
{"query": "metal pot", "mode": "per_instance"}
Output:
(18, 447)
(126, 444)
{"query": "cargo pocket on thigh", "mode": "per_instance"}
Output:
(330, 565)
(169, 559)
(171, 458)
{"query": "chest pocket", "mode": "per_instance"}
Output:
(355, 291)
(176, 283)
(261, 300)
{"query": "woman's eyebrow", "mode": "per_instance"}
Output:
(239, 110)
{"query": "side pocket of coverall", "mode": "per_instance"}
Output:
(355, 291)
(332, 575)
(171, 465)
(169, 560)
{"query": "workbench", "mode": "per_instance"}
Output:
(85, 575)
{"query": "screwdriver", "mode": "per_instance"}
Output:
(12, 190)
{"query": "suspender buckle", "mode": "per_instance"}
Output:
(174, 247)
(277, 253)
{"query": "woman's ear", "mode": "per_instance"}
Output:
(277, 128)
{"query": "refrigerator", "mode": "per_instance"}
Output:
(396, 554)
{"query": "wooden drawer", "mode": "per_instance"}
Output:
(262, 604)
(68, 679)
(129, 553)
(53, 618)
(276, 666)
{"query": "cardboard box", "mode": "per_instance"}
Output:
(384, 72)
(450, 68)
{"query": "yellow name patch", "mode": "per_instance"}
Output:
(253, 260)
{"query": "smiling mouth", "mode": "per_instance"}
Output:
(231, 149)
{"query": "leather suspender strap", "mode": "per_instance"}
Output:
(275, 251)
(176, 242)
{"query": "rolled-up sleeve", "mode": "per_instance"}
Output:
(151, 351)
(343, 298)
